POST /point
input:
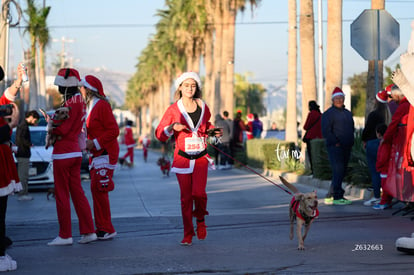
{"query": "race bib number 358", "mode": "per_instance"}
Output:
(194, 145)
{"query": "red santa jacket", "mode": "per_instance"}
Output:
(9, 179)
(313, 125)
(399, 118)
(67, 143)
(6, 98)
(102, 128)
(129, 137)
(196, 133)
(383, 158)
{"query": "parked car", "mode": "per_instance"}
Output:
(41, 164)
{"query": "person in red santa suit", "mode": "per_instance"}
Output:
(129, 142)
(67, 159)
(145, 142)
(249, 126)
(188, 120)
(9, 179)
(102, 143)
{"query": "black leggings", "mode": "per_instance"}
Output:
(3, 208)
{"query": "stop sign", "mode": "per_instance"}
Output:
(375, 34)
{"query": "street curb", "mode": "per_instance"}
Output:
(352, 191)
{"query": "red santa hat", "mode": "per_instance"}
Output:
(187, 75)
(250, 117)
(93, 83)
(67, 77)
(337, 92)
(383, 95)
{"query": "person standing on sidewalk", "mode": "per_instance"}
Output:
(338, 131)
(24, 142)
(312, 127)
(102, 142)
(9, 179)
(224, 143)
(129, 142)
(67, 159)
(188, 120)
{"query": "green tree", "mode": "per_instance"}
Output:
(248, 96)
(39, 38)
(358, 83)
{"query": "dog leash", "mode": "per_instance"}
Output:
(252, 170)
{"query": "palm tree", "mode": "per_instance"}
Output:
(39, 37)
(371, 91)
(307, 53)
(291, 128)
(333, 50)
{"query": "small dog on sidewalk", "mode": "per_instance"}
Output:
(304, 209)
(165, 166)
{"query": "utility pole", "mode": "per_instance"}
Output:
(62, 51)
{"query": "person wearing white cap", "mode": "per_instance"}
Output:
(102, 143)
(338, 131)
(67, 159)
(188, 120)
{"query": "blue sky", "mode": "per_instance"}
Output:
(97, 40)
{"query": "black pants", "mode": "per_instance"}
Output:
(3, 208)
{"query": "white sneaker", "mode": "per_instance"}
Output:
(372, 201)
(405, 244)
(7, 263)
(87, 238)
(105, 236)
(61, 241)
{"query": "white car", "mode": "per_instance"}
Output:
(41, 164)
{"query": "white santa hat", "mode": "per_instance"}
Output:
(187, 75)
(337, 92)
(93, 83)
(67, 77)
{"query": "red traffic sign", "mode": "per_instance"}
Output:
(375, 34)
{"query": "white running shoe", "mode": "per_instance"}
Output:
(61, 241)
(7, 263)
(372, 201)
(87, 238)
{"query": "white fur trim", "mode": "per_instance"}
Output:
(97, 145)
(9, 96)
(71, 81)
(168, 134)
(87, 85)
(187, 75)
(67, 155)
(188, 170)
(11, 188)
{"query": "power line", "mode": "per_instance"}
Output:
(96, 26)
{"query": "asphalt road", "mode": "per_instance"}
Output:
(248, 231)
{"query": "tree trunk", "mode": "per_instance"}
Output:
(333, 50)
(371, 87)
(217, 57)
(42, 79)
(227, 60)
(307, 52)
(291, 116)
